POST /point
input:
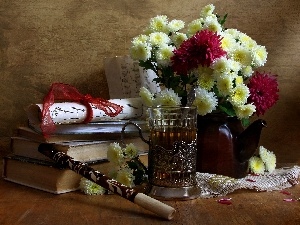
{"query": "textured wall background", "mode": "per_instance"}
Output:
(43, 41)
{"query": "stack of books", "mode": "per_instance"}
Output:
(84, 142)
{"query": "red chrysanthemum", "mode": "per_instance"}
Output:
(263, 91)
(201, 49)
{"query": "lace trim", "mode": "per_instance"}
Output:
(213, 185)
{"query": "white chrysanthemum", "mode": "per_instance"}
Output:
(246, 40)
(146, 96)
(211, 23)
(247, 71)
(90, 187)
(239, 95)
(142, 38)
(130, 151)
(175, 25)
(268, 158)
(221, 66)
(256, 165)
(206, 81)
(125, 176)
(178, 38)
(233, 74)
(159, 23)
(194, 27)
(164, 54)
(140, 51)
(148, 31)
(241, 55)
(235, 67)
(205, 101)
(115, 154)
(228, 43)
(244, 111)
(225, 85)
(207, 10)
(233, 32)
(167, 97)
(159, 39)
(259, 55)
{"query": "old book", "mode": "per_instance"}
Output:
(84, 151)
(105, 127)
(44, 176)
(29, 133)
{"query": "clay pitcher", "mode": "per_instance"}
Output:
(223, 146)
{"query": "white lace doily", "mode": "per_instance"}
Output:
(213, 185)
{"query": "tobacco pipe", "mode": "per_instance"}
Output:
(63, 160)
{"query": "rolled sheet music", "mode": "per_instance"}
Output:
(65, 161)
(74, 112)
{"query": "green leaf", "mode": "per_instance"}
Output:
(227, 108)
(147, 65)
(245, 122)
(223, 20)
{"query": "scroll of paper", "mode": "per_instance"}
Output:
(73, 112)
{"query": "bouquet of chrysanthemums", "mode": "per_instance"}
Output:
(217, 63)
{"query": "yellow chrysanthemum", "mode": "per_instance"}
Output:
(268, 158)
(244, 111)
(159, 23)
(167, 98)
(205, 81)
(178, 38)
(224, 85)
(146, 96)
(115, 154)
(256, 165)
(194, 27)
(207, 10)
(242, 55)
(175, 25)
(239, 95)
(130, 151)
(164, 54)
(228, 43)
(239, 80)
(142, 38)
(90, 187)
(205, 101)
(125, 176)
(140, 51)
(211, 23)
(259, 55)
(221, 67)
(247, 71)
(159, 39)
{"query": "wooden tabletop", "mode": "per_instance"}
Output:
(24, 205)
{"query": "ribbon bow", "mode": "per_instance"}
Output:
(59, 91)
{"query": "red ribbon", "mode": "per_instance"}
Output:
(59, 91)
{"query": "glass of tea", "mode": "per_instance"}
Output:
(172, 153)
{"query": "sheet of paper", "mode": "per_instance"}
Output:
(125, 77)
